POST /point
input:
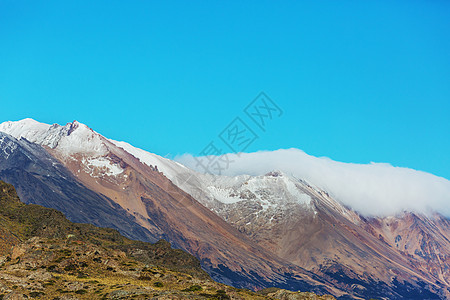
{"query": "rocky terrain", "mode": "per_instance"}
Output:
(45, 256)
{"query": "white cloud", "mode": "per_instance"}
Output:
(377, 189)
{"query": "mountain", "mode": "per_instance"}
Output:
(45, 256)
(249, 231)
(90, 179)
(402, 256)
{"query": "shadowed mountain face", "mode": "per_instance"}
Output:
(42, 179)
(255, 232)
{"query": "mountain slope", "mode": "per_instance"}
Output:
(42, 179)
(307, 227)
(25, 221)
(150, 201)
(53, 258)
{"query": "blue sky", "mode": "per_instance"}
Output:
(358, 81)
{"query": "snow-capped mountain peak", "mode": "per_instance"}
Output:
(80, 138)
(73, 141)
(70, 139)
(275, 173)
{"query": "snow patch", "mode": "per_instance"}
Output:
(169, 168)
(7, 146)
(100, 166)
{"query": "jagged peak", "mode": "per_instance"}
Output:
(75, 123)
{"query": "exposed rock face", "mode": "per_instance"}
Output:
(422, 240)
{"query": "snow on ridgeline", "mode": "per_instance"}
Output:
(375, 189)
(73, 138)
(69, 139)
(170, 168)
(29, 129)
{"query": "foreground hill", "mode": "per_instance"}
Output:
(43, 255)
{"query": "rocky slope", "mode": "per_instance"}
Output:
(49, 164)
(404, 256)
(48, 257)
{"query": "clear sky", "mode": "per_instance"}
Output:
(358, 81)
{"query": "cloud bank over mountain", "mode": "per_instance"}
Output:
(375, 189)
